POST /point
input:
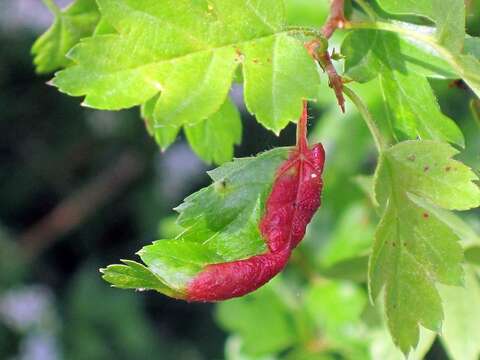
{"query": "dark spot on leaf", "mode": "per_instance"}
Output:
(425, 215)
(220, 186)
(460, 84)
(448, 168)
(255, 61)
(411, 157)
(426, 168)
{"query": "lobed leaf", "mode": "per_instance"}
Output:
(214, 138)
(426, 169)
(192, 73)
(412, 107)
(367, 52)
(71, 25)
(132, 275)
(449, 16)
(220, 222)
(415, 248)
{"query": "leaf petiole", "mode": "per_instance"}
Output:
(367, 117)
(302, 144)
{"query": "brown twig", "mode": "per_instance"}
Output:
(318, 49)
(336, 20)
(73, 210)
(335, 81)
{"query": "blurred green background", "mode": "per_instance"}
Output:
(81, 188)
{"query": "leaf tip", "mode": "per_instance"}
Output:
(50, 82)
(86, 104)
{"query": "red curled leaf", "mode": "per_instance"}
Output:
(239, 232)
(294, 199)
(236, 278)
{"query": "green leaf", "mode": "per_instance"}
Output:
(234, 350)
(462, 318)
(220, 223)
(382, 347)
(463, 230)
(163, 135)
(189, 51)
(366, 184)
(76, 22)
(274, 83)
(449, 17)
(472, 255)
(414, 111)
(410, 254)
(133, 275)
(307, 12)
(472, 46)
(352, 269)
(468, 68)
(414, 248)
(412, 107)
(241, 316)
(214, 138)
(368, 52)
(342, 245)
(465, 66)
(104, 28)
(335, 306)
(426, 169)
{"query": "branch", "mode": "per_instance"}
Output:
(76, 208)
(335, 81)
(318, 49)
(336, 20)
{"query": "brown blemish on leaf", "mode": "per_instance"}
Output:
(448, 168)
(426, 168)
(426, 215)
(239, 55)
(411, 157)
